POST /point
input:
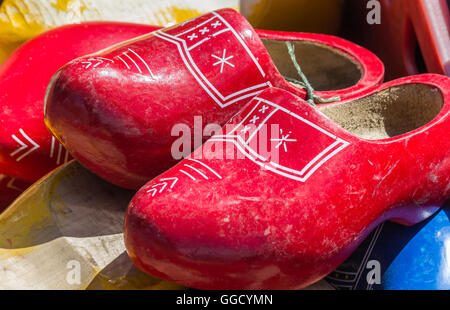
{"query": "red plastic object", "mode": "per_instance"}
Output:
(115, 110)
(27, 148)
(409, 30)
(10, 189)
(431, 20)
(260, 221)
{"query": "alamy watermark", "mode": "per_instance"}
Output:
(228, 142)
(73, 276)
(374, 274)
(374, 15)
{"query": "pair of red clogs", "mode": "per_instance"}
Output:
(287, 188)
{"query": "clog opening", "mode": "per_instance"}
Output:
(326, 68)
(389, 113)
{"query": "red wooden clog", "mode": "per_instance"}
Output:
(258, 219)
(115, 110)
(27, 148)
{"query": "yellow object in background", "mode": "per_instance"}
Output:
(21, 20)
(318, 16)
(6, 50)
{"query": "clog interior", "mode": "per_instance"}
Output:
(389, 113)
(326, 68)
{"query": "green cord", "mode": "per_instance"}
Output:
(311, 97)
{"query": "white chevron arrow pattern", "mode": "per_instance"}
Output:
(95, 62)
(162, 186)
(24, 146)
(12, 186)
(10, 183)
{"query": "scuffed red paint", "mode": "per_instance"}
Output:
(253, 228)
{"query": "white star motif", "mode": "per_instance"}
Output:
(254, 119)
(192, 36)
(216, 24)
(204, 30)
(246, 128)
(263, 109)
(222, 61)
(283, 140)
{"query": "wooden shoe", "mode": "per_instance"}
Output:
(115, 110)
(287, 191)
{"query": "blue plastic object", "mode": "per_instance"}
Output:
(395, 257)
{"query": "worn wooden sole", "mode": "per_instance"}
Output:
(65, 232)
